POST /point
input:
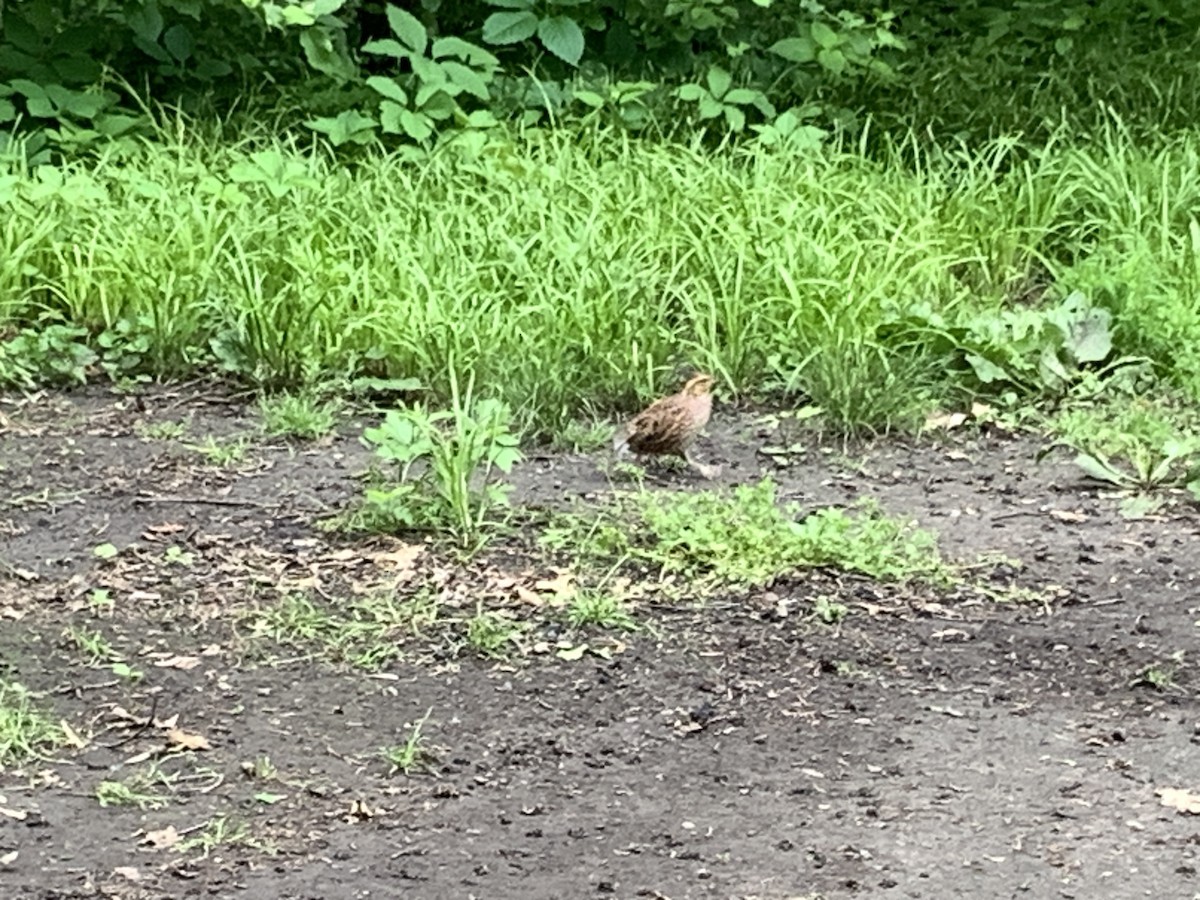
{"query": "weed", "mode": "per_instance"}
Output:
(1134, 444)
(445, 462)
(177, 556)
(364, 633)
(599, 609)
(745, 537)
(303, 415)
(491, 634)
(828, 611)
(135, 791)
(222, 453)
(162, 431)
(221, 832)
(581, 436)
(94, 645)
(412, 753)
(25, 731)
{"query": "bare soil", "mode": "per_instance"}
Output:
(927, 747)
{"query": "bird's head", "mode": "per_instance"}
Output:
(698, 385)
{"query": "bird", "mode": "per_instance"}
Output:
(668, 426)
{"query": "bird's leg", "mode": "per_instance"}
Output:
(709, 472)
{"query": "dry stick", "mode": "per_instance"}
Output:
(220, 501)
(141, 728)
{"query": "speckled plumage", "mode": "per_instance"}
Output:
(668, 426)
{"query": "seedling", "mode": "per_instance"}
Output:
(491, 634)
(408, 756)
(221, 453)
(302, 415)
(599, 609)
(25, 731)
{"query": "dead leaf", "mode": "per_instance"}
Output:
(17, 814)
(129, 873)
(162, 839)
(188, 740)
(944, 420)
(179, 662)
(72, 736)
(1180, 799)
(1068, 515)
(9, 858)
(402, 556)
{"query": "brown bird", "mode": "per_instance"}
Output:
(668, 426)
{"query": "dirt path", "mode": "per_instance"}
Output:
(927, 747)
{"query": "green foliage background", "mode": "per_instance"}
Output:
(868, 209)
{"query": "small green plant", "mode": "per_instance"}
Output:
(162, 431)
(138, 790)
(828, 611)
(222, 453)
(407, 757)
(303, 415)
(1158, 676)
(445, 463)
(744, 537)
(94, 645)
(365, 633)
(599, 609)
(52, 353)
(177, 556)
(580, 436)
(492, 634)
(26, 732)
(221, 831)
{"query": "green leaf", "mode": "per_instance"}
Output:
(735, 117)
(742, 96)
(8, 112)
(350, 126)
(591, 98)
(386, 47)
(415, 125)
(718, 81)
(563, 37)
(1101, 469)
(1090, 338)
(986, 370)
(824, 35)
(389, 116)
(466, 78)
(388, 88)
(710, 107)
(326, 53)
(179, 42)
(146, 22)
(795, 49)
(509, 27)
(832, 60)
(691, 92)
(268, 798)
(104, 551)
(408, 28)
(471, 53)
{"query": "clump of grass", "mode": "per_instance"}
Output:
(745, 537)
(365, 633)
(301, 414)
(410, 755)
(599, 609)
(492, 634)
(770, 267)
(223, 453)
(26, 732)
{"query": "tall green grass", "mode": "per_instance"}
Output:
(581, 272)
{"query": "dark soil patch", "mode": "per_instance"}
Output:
(926, 747)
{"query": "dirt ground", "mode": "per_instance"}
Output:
(927, 747)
